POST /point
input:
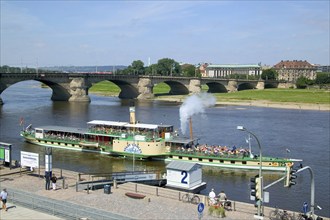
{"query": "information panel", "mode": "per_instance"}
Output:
(29, 159)
(5, 152)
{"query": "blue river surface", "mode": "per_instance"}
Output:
(304, 132)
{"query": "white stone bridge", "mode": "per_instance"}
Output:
(75, 86)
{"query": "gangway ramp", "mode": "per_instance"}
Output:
(94, 181)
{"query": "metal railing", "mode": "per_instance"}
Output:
(61, 209)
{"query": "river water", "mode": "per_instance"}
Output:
(304, 132)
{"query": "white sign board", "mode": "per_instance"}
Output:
(29, 159)
(48, 163)
(7, 155)
(266, 197)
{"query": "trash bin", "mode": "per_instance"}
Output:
(107, 189)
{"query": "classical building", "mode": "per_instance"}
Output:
(292, 70)
(226, 70)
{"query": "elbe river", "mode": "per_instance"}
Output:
(304, 132)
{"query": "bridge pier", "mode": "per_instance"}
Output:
(195, 86)
(78, 90)
(260, 85)
(145, 89)
(232, 86)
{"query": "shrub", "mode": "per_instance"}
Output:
(302, 82)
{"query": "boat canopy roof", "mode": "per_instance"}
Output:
(108, 123)
(63, 129)
(181, 140)
(122, 124)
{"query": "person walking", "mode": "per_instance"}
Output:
(54, 179)
(3, 196)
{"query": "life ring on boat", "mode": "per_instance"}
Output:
(275, 164)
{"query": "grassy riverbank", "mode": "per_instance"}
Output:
(305, 96)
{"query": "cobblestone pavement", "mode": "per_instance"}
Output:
(151, 207)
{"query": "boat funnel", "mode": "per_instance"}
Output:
(132, 115)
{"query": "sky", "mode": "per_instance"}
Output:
(95, 33)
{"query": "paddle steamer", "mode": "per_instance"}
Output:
(147, 141)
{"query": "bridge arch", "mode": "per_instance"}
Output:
(127, 90)
(270, 85)
(59, 93)
(177, 88)
(245, 86)
(215, 87)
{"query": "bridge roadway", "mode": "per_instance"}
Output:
(74, 87)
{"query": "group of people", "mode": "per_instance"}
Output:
(215, 150)
(50, 178)
(221, 199)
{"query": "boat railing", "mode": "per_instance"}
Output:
(211, 154)
(71, 139)
(131, 134)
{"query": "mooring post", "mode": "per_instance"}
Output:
(63, 183)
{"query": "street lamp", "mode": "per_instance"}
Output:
(241, 128)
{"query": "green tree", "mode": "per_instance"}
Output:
(189, 70)
(168, 67)
(322, 78)
(302, 82)
(138, 67)
(269, 74)
(151, 70)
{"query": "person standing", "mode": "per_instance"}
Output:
(47, 178)
(222, 196)
(54, 179)
(212, 197)
(223, 200)
(4, 196)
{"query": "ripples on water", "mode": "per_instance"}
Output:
(305, 133)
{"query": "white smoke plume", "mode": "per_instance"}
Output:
(193, 105)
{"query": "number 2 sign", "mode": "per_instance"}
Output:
(184, 174)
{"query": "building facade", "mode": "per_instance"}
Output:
(292, 70)
(324, 69)
(225, 71)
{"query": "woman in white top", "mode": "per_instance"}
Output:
(3, 196)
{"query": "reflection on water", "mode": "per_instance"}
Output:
(305, 133)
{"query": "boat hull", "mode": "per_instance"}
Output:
(233, 166)
(244, 163)
(270, 164)
(63, 145)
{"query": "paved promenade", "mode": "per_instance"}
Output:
(21, 213)
(158, 203)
